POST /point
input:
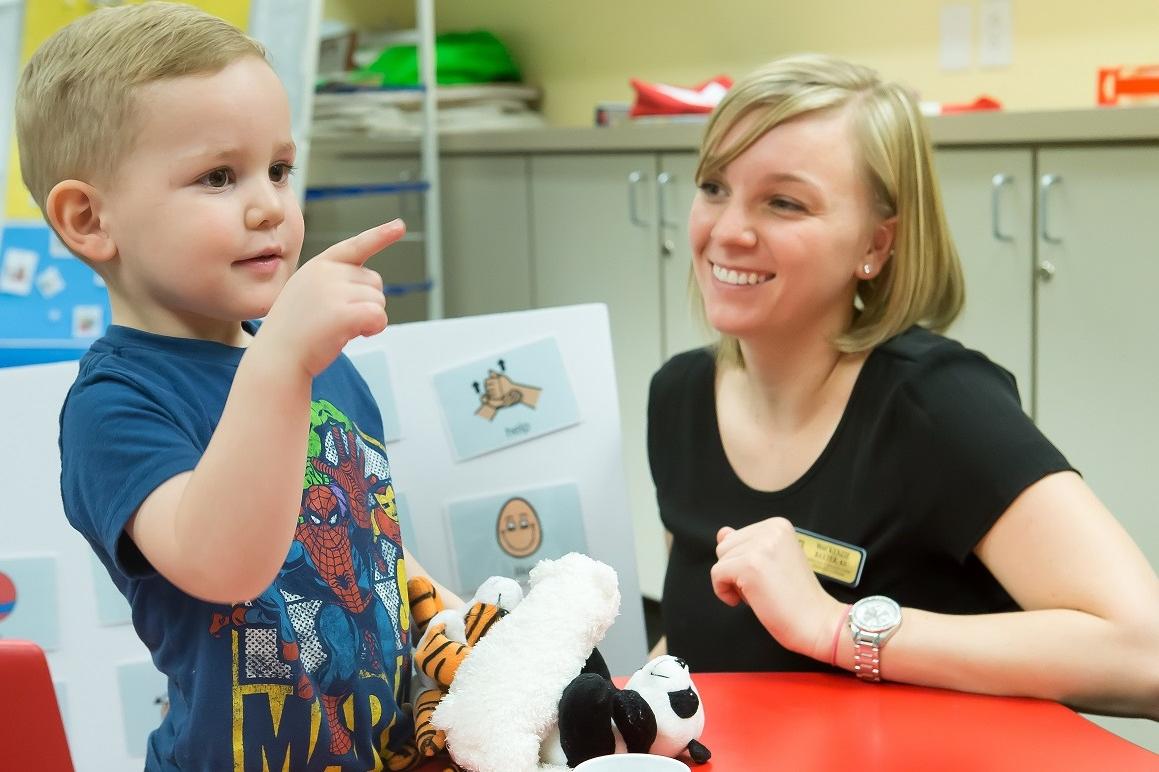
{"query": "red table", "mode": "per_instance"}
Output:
(805, 722)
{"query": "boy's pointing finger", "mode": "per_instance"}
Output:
(356, 250)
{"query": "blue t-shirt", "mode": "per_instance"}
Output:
(313, 672)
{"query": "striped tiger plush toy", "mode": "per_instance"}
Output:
(445, 639)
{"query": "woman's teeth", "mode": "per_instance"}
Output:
(729, 276)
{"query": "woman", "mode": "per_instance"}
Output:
(832, 416)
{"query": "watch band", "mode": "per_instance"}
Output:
(872, 621)
(866, 660)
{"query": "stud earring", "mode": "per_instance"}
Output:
(867, 268)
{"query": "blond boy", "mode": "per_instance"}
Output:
(230, 476)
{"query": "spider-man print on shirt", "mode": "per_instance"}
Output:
(337, 608)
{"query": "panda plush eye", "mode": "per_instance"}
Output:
(685, 703)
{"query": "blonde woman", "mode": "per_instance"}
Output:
(947, 542)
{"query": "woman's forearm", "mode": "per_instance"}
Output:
(1073, 657)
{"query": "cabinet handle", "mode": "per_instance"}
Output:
(662, 181)
(633, 209)
(997, 182)
(1045, 270)
(1048, 182)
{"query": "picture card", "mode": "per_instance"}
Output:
(87, 321)
(375, 370)
(28, 601)
(18, 271)
(506, 534)
(144, 700)
(50, 282)
(506, 398)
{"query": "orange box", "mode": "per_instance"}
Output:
(1129, 84)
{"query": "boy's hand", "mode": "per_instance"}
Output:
(330, 300)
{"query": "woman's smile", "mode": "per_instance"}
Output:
(740, 278)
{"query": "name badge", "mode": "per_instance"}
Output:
(832, 559)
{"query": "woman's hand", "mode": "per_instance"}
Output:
(764, 566)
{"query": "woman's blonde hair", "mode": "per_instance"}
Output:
(74, 102)
(922, 282)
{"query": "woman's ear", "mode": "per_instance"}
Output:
(880, 249)
(73, 210)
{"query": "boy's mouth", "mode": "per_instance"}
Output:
(263, 262)
(267, 256)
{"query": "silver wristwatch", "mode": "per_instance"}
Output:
(872, 621)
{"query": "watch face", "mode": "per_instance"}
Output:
(876, 614)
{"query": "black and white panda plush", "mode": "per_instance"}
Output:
(658, 711)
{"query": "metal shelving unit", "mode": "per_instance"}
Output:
(423, 37)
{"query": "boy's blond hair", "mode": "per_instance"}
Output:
(74, 103)
(922, 282)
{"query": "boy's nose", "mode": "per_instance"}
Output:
(266, 208)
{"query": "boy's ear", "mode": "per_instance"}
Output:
(73, 210)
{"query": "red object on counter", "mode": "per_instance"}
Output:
(663, 99)
(1132, 83)
(981, 104)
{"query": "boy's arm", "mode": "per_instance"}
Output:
(414, 568)
(221, 532)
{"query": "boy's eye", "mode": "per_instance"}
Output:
(280, 172)
(710, 188)
(218, 178)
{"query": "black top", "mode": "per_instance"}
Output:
(931, 449)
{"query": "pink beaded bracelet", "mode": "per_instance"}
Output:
(837, 633)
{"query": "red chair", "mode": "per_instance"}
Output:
(31, 731)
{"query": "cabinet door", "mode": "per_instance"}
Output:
(684, 325)
(1097, 332)
(595, 239)
(486, 234)
(988, 198)
(330, 220)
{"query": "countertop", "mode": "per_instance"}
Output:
(998, 128)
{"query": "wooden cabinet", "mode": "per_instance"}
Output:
(1061, 274)
(988, 196)
(595, 239)
(1061, 270)
(486, 234)
(1098, 332)
(684, 324)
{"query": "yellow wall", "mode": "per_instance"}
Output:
(581, 53)
(41, 19)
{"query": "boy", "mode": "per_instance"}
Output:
(156, 140)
